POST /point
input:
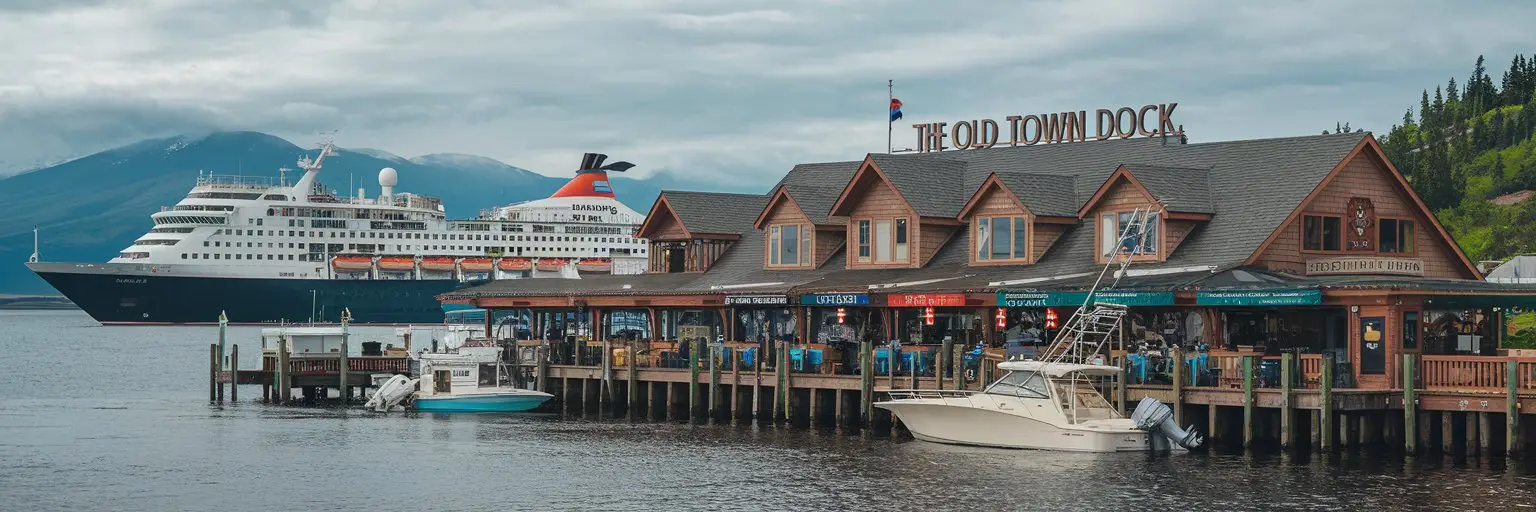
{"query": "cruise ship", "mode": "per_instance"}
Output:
(263, 250)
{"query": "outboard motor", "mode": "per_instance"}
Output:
(1156, 418)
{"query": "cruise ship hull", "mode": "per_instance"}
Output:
(130, 295)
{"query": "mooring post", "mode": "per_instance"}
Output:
(213, 373)
(541, 356)
(223, 325)
(1120, 381)
(1178, 384)
(1287, 378)
(342, 380)
(1325, 403)
(605, 388)
(714, 380)
(957, 359)
(782, 390)
(1410, 407)
(1512, 444)
(866, 385)
(693, 377)
(631, 380)
(234, 373)
(1247, 401)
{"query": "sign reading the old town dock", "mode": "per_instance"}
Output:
(1051, 128)
(1365, 265)
(834, 299)
(756, 300)
(919, 300)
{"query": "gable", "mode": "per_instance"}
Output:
(782, 209)
(1120, 192)
(1365, 179)
(869, 186)
(662, 223)
(993, 198)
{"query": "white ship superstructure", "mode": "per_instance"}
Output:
(240, 226)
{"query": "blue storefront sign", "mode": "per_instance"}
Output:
(835, 299)
(1302, 297)
(1038, 299)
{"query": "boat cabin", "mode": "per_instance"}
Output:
(303, 340)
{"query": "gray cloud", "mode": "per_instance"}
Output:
(731, 91)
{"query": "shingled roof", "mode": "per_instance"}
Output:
(808, 185)
(1256, 184)
(1181, 189)
(715, 212)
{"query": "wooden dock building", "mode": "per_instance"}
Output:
(1292, 291)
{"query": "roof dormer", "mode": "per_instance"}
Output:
(1008, 229)
(901, 209)
(688, 231)
(1171, 201)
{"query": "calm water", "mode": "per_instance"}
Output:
(116, 418)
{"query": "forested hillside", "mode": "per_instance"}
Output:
(1470, 153)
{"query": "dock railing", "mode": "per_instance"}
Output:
(1476, 373)
(331, 363)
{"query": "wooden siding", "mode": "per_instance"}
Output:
(666, 226)
(876, 199)
(1045, 236)
(827, 242)
(1364, 176)
(933, 237)
(1177, 231)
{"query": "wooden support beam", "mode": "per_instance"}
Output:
(1287, 378)
(1410, 405)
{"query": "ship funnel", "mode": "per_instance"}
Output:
(591, 162)
(1156, 418)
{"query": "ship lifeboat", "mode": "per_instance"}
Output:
(475, 264)
(550, 265)
(437, 263)
(595, 265)
(397, 263)
(352, 263)
(515, 264)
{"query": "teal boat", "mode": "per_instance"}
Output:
(452, 383)
(484, 400)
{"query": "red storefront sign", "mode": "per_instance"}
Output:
(923, 300)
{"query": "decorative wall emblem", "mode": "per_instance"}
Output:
(1360, 222)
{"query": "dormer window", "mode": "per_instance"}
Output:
(883, 240)
(1139, 244)
(1002, 239)
(789, 245)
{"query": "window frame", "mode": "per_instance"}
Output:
(1160, 245)
(805, 246)
(990, 221)
(1399, 222)
(1323, 244)
(863, 229)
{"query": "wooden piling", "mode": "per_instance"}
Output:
(1178, 385)
(866, 384)
(214, 396)
(632, 381)
(1325, 401)
(714, 381)
(1484, 433)
(1213, 422)
(541, 356)
(957, 360)
(1410, 406)
(1248, 401)
(1447, 433)
(1512, 443)
(1287, 377)
(234, 373)
(1315, 432)
(1469, 441)
(341, 383)
(783, 389)
(1120, 379)
(606, 393)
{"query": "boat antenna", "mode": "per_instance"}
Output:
(34, 258)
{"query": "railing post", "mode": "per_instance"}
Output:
(1512, 444)
(1325, 403)
(1410, 406)
(1247, 401)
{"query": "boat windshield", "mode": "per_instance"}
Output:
(1081, 402)
(1024, 384)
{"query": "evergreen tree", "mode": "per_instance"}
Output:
(1424, 111)
(1453, 100)
(1474, 94)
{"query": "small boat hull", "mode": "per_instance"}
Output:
(511, 401)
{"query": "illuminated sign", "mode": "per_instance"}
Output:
(1052, 128)
(917, 300)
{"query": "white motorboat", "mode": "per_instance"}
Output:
(1036, 405)
(471, 380)
(1051, 404)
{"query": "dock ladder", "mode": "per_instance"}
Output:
(1094, 324)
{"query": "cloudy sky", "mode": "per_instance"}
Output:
(733, 91)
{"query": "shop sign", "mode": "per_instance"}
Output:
(835, 299)
(920, 300)
(1307, 297)
(1365, 265)
(756, 300)
(1034, 299)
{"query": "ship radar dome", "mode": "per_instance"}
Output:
(388, 177)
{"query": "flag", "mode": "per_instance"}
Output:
(895, 109)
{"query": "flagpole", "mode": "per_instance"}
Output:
(890, 90)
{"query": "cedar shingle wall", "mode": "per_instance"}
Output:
(876, 199)
(1045, 236)
(1365, 176)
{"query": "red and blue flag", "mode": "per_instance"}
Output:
(895, 109)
